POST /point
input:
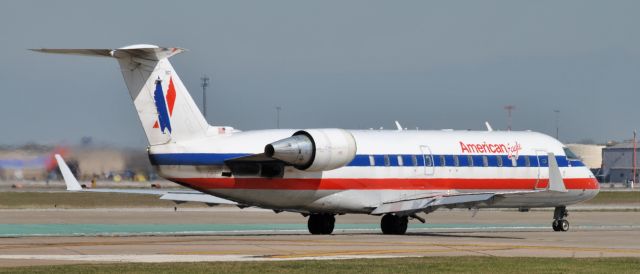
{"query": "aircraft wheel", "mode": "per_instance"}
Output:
(321, 223)
(563, 225)
(559, 221)
(394, 225)
(386, 224)
(555, 225)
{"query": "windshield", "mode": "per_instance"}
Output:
(570, 154)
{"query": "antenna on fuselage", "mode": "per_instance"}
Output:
(489, 128)
(398, 126)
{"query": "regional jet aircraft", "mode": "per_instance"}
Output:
(324, 172)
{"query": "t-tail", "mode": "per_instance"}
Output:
(165, 108)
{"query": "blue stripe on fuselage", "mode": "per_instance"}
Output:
(193, 158)
(379, 160)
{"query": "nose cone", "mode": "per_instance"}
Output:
(296, 150)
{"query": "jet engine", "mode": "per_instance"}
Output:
(315, 149)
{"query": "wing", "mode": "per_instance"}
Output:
(175, 195)
(432, 202)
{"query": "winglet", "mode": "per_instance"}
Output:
(555, 176)
(69, 179)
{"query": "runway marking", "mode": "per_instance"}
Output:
(356, 252)
(325, 242)
(416, 249)
(485, 250)
(457, 247)
(216, 241)
(563, 248)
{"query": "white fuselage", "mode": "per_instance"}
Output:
(388, 166)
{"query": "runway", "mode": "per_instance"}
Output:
(62, 236)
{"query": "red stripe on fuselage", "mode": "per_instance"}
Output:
(379, 184)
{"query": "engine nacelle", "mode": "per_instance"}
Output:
(315, 149)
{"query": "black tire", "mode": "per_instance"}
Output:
(321, 224)
(386, 224)
(555, 225)
(328, 224)
(394, 225)
(314, 224)
(401, 227)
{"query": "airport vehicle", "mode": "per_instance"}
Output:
(320, 173)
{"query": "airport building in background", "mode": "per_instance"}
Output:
(617, 163)
(591, 155)
(36, 163)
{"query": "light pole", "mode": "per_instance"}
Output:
(557, 124)
(278, 117)
(204, 85)
(635, 159)
(509, 109)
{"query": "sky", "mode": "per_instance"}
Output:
(346, 64)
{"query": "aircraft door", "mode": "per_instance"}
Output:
(542, 167)
(427, 160)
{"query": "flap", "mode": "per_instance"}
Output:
(414, 205)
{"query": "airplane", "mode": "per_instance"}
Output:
(324, 172)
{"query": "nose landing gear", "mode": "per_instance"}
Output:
(393, 224)
(559, 221)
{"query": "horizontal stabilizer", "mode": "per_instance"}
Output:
(148, 52)
(84, 52)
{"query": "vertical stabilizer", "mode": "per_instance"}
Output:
(165, 107)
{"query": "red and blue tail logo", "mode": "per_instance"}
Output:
(164, 105)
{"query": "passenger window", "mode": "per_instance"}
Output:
(400, 163)
(485, 160)
(442, 161)
(499, 159)
(527, 161)
(456, 161)
(470, 160)
(414, 160)
(386, 160)
(372, 160)
(427, 161)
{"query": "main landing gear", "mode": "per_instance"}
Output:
(559, 222)
(393, 224)
(321, 223)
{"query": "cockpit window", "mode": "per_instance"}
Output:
(570, 154)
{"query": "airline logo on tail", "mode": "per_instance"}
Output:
(164, 105)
